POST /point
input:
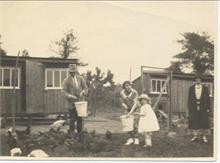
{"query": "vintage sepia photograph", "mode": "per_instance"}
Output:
(108, 80)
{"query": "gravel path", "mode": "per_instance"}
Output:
(101, 123)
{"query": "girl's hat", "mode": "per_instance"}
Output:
(144, 96)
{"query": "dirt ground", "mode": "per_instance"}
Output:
(163, 146)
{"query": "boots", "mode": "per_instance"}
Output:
(129, 141)
(132, 141)
(148, 142)
(204, 139)
(136, 141)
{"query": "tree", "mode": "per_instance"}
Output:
(198, 54)
(101, 88)
(2, 51)
(66, 46)
(175, 67)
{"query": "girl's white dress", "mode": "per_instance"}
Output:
(148, 122)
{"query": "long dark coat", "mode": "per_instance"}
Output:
(199, 119)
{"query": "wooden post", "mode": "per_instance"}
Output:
(1, 93)
(30, 120)
(169, 125)
(14, 93)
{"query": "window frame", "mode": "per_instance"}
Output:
(53, 82)
(156, 83)
(10, 77)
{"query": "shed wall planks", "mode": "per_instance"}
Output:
(34, 87)
(6, 100)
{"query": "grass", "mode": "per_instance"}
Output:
(163, 146)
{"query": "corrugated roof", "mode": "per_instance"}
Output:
(40, 59)
(175, 75)
(36, 58)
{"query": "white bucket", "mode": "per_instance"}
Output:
(127, 123)
(81, 108)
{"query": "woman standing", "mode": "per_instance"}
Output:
(199, 109)
(128, 98)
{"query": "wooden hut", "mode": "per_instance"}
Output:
(175, 95)
(37, 84)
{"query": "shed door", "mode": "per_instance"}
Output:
(180, 92)
(34, 87)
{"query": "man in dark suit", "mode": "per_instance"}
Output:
(74, 88)
(199, 108)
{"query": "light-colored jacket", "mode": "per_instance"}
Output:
(69, 88)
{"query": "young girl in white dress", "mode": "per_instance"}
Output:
(148, 121)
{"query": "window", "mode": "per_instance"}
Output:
(157, 85)
(54, 78)
(9, 77)
(49, 78)
(210, 88)
(57, 81)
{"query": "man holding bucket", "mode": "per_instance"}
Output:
(74, 88)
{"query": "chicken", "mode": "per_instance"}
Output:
(12, 139)
(10, 130)
(47, 140)
(97, 144)
(108, 135)
(74, 145)
(82, 135)
(72, 135)
(58, 136)
(58, 124)
(22, 134)
(15, 152)
(93, 133)
(38, 153)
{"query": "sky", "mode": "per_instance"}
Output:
(111, 35)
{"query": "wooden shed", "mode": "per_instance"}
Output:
(37, 84)
(151, 82)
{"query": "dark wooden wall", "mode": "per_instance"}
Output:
(38, 99)
(32, 96)
(137, 85)
(7, 95)
(6, 100)
(179, 92)
(54, 101)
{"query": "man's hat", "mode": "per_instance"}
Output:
(73, 68)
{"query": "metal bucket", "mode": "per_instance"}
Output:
(81, 108)
(127, 123)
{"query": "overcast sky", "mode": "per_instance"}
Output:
(111, 35)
